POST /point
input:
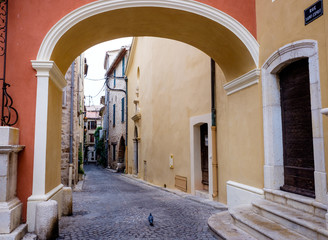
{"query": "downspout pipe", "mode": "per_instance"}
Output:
(107, 127)
(126, 111)
(70, 173)
(213, 128)
(126, 126)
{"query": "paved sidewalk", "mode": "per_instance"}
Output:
(113, 206)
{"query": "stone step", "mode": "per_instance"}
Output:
(261, 227)
(306, 224)
(304, 204)
(222, 225)
(203, 194)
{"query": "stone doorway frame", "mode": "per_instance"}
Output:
(272, 126)
(195, 158)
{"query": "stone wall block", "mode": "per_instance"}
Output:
(46, 220)
(10, 205)
(9, 136)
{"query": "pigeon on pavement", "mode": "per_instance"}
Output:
(151, 220)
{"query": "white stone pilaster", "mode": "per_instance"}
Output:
(46, 71)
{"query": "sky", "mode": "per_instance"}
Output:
(94, 82)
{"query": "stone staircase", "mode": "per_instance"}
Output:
(280, 215)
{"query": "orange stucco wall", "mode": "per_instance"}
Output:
(29, 22)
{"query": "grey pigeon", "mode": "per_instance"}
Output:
(151, 220)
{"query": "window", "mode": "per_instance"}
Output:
(114, 106)
(92, 125)
(92, 138)
(122, 110)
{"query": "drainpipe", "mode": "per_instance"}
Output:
(70, 169)
(213, 128)
(126, 125)
(107, 128)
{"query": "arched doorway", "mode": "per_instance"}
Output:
(274, 168)
(214, 32)
(121, 155)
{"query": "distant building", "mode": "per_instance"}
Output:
(92, 121)
(72, 122)
(115, 107)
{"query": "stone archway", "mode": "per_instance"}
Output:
(214, 32)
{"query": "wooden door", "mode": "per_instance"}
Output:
(297, 129)
(204, 152)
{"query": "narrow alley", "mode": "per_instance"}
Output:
(112, 206)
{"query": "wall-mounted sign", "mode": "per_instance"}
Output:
(313, 12)
(171, 162)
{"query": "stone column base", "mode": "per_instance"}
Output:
(32, 201)
(10, 215)
(17, 234)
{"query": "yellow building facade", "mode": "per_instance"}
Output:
(170, 98)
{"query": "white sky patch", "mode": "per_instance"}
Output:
(95, 59)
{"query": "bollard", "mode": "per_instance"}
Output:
(46, 220)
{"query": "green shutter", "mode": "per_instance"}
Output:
(114, 78)
(114, 115)
(123, 70)
(122, 109)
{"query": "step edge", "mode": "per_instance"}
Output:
(296, 197)
(259, 228)
(294, 220)
(217, 216)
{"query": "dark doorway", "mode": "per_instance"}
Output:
(204, 154)
(297, 129)
(121, 150)
(121, 155)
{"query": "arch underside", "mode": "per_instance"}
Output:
(207, 35)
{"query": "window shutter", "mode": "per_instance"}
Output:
(114, 78)
(123, 62)
(122, 109)
(114, 115)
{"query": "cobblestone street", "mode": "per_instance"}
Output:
(112, 206)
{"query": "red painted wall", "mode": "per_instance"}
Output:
(29, 21)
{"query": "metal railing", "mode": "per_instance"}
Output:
(9, 115)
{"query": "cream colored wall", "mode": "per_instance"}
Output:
(239, 136)
(53, 157)
(282, 22)
(174, 85)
